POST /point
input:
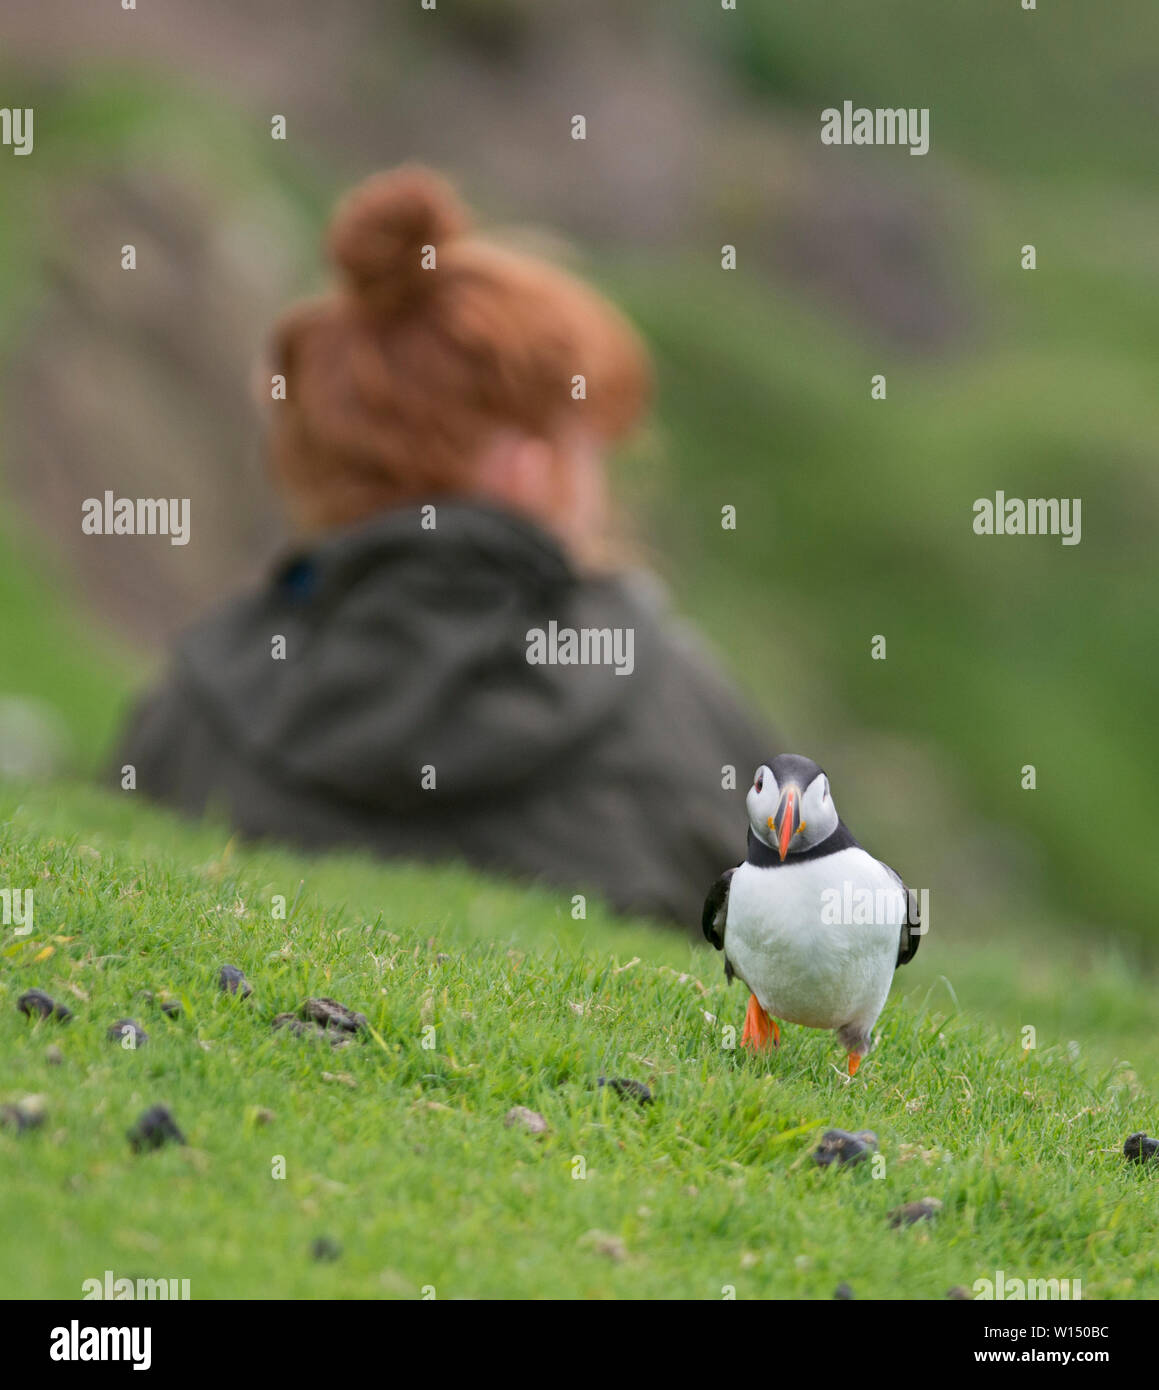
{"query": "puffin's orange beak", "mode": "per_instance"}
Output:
(788, 812)
(787, 827)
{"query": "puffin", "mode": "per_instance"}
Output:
(781, 917)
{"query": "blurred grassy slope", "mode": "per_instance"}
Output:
(1067, 90)
(854, 517)
(46, 651)
(111, 123)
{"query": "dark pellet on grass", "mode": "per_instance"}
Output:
(1140, 1148)
(324, 1248)
(629, 1089)
(924, 1210)
(841, 1147)
(843, 1291)
(154, 1128)
(330, 1014)
(34, 1003)
(233, 981)
(170, 1007)
(959, 1293)
(293, 1024)
(125, 1028)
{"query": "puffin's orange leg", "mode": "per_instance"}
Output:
(854, 1062)
(759, 1029)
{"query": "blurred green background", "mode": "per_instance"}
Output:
(854, 516)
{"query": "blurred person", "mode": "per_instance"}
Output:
(402, 683)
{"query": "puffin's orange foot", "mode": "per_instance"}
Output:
(759, 1029)
(854, 1062)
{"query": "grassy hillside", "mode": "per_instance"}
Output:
(1063, 90)
(399, 1156)
(854, 518)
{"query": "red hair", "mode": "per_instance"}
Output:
(397, 381)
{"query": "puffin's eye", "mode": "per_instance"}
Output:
(760, 782)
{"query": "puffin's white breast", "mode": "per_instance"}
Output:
(787, 942)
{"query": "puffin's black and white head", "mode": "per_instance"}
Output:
(790, 807)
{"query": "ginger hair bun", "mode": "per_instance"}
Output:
(398, 381)
(380, 228)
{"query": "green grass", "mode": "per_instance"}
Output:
(854, 520)
(410, 1168)
(1061, 90)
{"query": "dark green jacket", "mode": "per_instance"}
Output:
(405, 651)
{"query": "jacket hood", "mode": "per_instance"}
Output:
(406, 657)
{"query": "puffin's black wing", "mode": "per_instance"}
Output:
(911, 928)
(715, 913)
